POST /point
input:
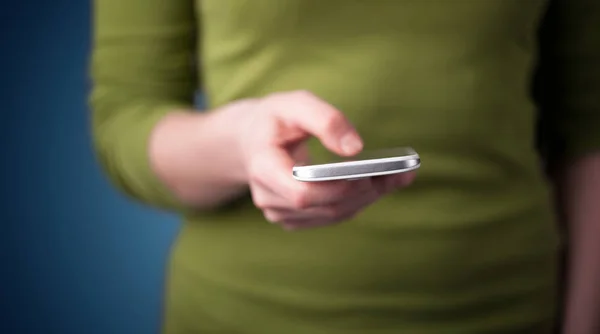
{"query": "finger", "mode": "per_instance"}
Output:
(313, 197)
(318, 118)
(263, 196)
(270, 173)
(325, 214)
(388, 183)
(306, 195)
(302, 224)
(265, 199)
(274, 175)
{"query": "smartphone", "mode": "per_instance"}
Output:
(366, 164)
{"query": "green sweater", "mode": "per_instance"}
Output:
(471, 247)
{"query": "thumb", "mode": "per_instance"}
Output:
(317, 118)
(300, 153)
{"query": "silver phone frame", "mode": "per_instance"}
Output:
(357, 169)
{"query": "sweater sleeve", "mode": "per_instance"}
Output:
(567, 85)
(142, 68)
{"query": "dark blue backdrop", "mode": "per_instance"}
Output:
(76, 256)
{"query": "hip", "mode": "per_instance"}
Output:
(246, 276)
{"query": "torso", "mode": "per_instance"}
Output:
(469, 248)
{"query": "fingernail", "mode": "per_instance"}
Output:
(351, 144)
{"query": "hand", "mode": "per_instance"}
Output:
(274, 140)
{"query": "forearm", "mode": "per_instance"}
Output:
(172, 157)
(580, 194)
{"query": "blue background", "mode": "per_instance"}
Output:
(76, 256)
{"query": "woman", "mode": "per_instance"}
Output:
(470, 245)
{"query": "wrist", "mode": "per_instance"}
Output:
(228, 126)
